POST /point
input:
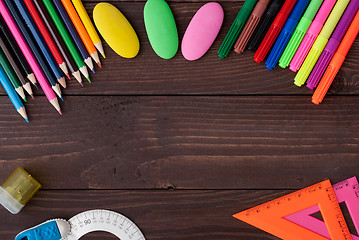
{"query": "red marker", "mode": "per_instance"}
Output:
(274, 30)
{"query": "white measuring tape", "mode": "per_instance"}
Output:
(83, 223)
(103, 220)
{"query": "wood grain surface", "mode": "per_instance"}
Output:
(178, 146)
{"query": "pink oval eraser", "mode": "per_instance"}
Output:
(202, 31)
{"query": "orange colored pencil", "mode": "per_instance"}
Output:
(81, 30)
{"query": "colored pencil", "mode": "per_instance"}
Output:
(20, 75)
(40, 42)
(66, 37)
(46, 35)
(29, 56)
(81, 31)
(88, 25)
(75, 37)
(59, 42)
(11, 75)
(12, 95)
(38, 55)
(337, 61)
(6, 34)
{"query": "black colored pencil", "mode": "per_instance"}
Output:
(33, 46)
(6, 35)
(58, 40)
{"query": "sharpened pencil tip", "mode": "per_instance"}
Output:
(27, 120)
(24, 99)
(88, 79)
(35, 84)
(32, 96)
(68, 76)
(60, 112)
(93, 70)
(99, 64)
(62, 98)
(81, 84)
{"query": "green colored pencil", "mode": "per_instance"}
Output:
(66, 37)
(11, 75)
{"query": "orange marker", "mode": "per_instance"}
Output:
(81, 30)
(336, 61)
(270, 216)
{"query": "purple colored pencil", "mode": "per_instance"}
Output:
(332, 44)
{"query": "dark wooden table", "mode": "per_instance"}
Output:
(179, 146)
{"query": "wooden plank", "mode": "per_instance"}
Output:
(172, 215)
(182, 142)
(148, 74)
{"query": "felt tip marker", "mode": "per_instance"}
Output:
(250, 26)
(299, 33)
(286, 33)
(311, 35)
(336, 61)
(320, 43)
(332, 44)
(274, 30)
(264, 24)
(236, 28)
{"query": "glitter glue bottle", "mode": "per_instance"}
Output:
(17, 190)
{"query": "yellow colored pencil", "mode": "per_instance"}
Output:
(88, 25)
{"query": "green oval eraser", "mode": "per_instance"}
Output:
(161, 28)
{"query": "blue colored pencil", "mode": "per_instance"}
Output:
(5, 82)
(79, 44)
(41, 42)
(38, 55)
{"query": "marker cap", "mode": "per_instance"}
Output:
(17, 190)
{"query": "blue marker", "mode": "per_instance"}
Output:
(40, 41)
(5, 82)
(75, 37)
(286, 33)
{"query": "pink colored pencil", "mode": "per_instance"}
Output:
(29, 56)
(311, 34)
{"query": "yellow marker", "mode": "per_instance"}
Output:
(88, 25)
(116, 30)
(17, 190)
(320, 42)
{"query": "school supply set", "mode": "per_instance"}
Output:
(290, 216)
(44, 41)
(302, 34)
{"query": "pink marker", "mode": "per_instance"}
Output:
(311, 35)
(346, 191)
(29, 56)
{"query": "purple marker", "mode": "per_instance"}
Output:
(332, 44)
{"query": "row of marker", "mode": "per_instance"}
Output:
(312, 36)
(43, 41)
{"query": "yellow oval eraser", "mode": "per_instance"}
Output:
(116, 30)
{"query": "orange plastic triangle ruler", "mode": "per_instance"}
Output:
(270, 216)
(346, 191)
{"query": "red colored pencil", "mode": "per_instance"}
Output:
(45, 33)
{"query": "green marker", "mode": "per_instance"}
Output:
(66, 37)
(236, 28)
(11, 75)
(299, 33)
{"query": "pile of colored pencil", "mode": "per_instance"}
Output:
(43, 41)
(312, 36)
